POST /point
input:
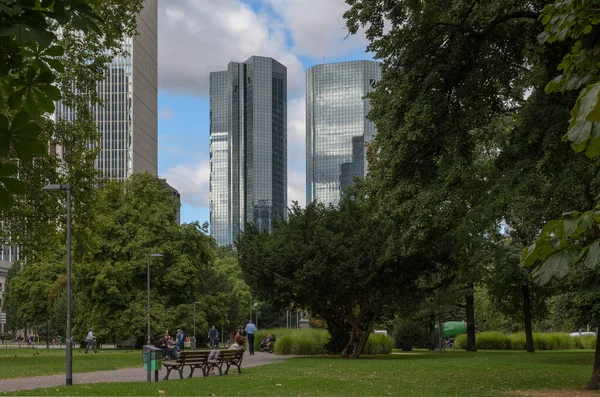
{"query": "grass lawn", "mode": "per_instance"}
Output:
(486, 373)
(52, 361)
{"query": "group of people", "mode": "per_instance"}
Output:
(171, 347)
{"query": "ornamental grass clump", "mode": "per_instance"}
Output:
(553, 341)
(588, 342)
(301, 341)
(379, 344)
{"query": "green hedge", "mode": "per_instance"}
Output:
(379, 344)
(542, 341)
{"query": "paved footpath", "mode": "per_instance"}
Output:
(121, 375)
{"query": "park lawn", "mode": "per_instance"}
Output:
(52, 361)
(486, 373)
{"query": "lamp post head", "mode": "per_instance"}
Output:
(155, 255)
(54, 186)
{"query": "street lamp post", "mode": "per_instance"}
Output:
(150, 256)
(195, 324)
(69, 369)
(255, 308)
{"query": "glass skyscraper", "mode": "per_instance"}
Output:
(337, 127)
(128, 120)
(248, 146)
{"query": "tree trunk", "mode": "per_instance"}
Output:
(527, 316)
(431, 343)
(440, 335)
(595, 381)
(470, 309)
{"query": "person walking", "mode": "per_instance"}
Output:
(180, 340)
(90, 341)
(250, 330)
(213, 336)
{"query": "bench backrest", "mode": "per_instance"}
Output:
(228, 355)
(187, 356)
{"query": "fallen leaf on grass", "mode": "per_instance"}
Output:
(277, 384)
(161, 392)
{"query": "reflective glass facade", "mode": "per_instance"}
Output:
(248, 146)
(337, 127)
(128, 120)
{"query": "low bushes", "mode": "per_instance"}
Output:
(379, 344)
(587, 342)
(299, 341)
(312, 341)
(542, 341)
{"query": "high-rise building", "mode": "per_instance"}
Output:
(248, 146)
(128, 120)
(337, 127)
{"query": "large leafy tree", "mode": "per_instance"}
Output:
(332, 262)
(133, 219)
(450, 70)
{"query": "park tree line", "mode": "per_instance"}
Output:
(483, 177)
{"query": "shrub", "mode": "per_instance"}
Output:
(300, 341)
(518, 341)
(409, 334)
(379, 344)
(588, 342)
(492, 341)
(553, 341)
(460, 342)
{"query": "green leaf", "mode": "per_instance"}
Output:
(556, 265)
(6, 199)
(579, 134)
(8, 169)
(54, 51)
(13, 185)
(570, 226)
(593, 256)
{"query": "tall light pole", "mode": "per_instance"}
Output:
(150, 256)
(69, 369)
(195, 324)
(256, 308)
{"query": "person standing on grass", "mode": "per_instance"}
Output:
(213, 336)
(250, 330)
(90, 341)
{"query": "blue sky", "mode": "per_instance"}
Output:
(200, 36)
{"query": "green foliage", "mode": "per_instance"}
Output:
(409, 334)
(543, 341)
(31, 58)
(331, 262)
(587, 342)
(379, 344)
(296, 341)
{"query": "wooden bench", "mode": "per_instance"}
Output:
(192, 359)
(225, 357)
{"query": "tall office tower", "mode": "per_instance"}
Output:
(248, 146)
(337, 127)
(128, 121)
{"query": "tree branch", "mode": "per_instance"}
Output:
(507, 17)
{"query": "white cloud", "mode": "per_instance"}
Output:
(318, 27)
(192, 182)
(296, 130)
(296, 187)
(199, 37)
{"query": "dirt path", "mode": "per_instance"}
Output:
(120, 375)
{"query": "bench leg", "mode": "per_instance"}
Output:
(180, 372)
(220, 371)
(168, 372)
(192, 371)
